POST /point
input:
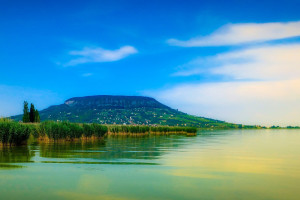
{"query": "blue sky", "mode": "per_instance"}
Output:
(54, 50)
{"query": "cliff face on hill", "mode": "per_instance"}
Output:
(114, 102)
(107, 109)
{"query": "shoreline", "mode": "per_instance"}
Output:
(16, 134)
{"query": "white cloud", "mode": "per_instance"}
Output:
(263, 86)
(87, 74)
(194, 67)
(263, 103)
(270, 62)
(95, 55)
(276, 62)
(234, 34)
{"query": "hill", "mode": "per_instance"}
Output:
(107, 109)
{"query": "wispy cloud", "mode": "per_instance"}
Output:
(87, 74)
(96, 55)
(263, 86)
(258, 63)
(194, 67)
(235, 34)
(255, 102)
(280, 62)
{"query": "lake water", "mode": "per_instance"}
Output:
(231, 164)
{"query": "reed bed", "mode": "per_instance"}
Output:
(131, 130)
(14, 133)
(128, 130)
(58, 131)
(173, 130)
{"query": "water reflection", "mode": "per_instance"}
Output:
(232, 164)
(15, 154)
(9, 166)
(115, 150)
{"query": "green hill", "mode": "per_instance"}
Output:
(106, 109)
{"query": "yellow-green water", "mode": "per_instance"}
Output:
(231, 164)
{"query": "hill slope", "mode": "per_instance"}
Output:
(106, 109)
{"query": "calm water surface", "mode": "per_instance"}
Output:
(234, 164)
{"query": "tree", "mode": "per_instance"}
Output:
(37, 116)
(26, 118)
(32, 113)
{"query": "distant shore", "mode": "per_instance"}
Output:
(16, 133)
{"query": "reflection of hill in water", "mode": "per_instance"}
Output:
(114, 149)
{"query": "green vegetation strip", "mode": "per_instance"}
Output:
(14, 133)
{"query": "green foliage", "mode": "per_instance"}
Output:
(26, 117)
(67, 130)
(124, 110)
(32, 113)
(128, 129)
(167, 129)
(13, 133)
(275, 127)
(5, 119)
(30, 116)
(88, 130)
(99, 130)
(115, 129)
(293, 127)
(76, 130)
(37, 116)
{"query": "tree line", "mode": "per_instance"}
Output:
(30, 115)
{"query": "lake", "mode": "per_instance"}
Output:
(224, 164)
